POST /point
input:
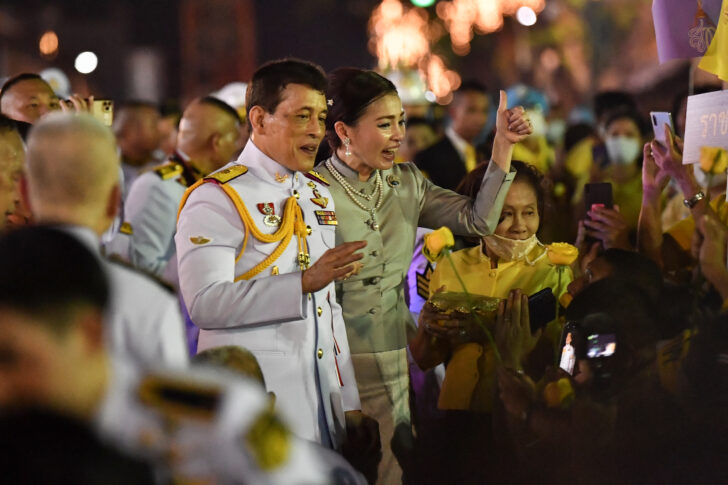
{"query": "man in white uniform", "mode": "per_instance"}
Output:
(208, 137)
(255, 246)
(72, 179)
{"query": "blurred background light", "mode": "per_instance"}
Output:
(86, 62)
(48, 44)
(423, 3)
(526, 16)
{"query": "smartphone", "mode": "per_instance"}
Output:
(103, 110)
(569, 337)
(599, 194)
(541, 308)
(659, 120)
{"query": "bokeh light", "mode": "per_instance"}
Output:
(86, 62)
(48, 44)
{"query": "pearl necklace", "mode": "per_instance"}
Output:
(351, 192)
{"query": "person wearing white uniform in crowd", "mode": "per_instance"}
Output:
(72, 179)
(199, 426)
(208, 137)
(256, 259)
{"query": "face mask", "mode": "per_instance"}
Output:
(704, 179)
(622, 150)
(508, 249)
(538, 122)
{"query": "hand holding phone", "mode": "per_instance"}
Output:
(659, 120)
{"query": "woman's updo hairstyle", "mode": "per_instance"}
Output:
(350, 91)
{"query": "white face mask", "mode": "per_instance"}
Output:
(508, 249)
(622, 150)
(704, 179)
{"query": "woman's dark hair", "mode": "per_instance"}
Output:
(271, 79)
(525, 173)
(349, 93)
(628, 113)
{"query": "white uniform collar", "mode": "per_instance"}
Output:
(457, 141)
(262, 165)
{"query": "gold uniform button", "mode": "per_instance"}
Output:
(296, 194)
(319, 311)
(320, 353)
(309, 230)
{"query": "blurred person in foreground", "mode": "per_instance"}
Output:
(448, 161)
(196, 426)
(72, 180)
(12, 157)
(207, 139)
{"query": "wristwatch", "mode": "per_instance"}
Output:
(692, 201)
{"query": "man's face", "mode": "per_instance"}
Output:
(37, 366)
(469, 113)
(291, 135)
(29, 101)
(12, 156)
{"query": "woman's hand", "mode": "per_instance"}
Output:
(654, 180)
(511, 124)
(513, 329)
(609, 227)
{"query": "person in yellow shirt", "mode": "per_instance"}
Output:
(511, 258)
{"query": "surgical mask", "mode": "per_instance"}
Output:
(508, 249)
(538, 122)
(622, 150)
(705, 180)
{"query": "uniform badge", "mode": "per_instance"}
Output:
(318, 200)
(393, 181)
(281, 178)
(317, 177)
(126, 229)
(200, 240)
(269, 211)
(311, 185)
(269, 441)
(423, 282)
(326, 218)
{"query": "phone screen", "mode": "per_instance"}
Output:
(600, 345)
(567, 358)
(659, 120)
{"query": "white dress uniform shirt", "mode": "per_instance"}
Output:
(209, 426)
(146, 239)
(299, 339)
(145, 322)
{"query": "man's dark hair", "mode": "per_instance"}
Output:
(46, 273)
(220, 104)
(607, 101)
(636, 268)
(471, 86)
(25, 76)
(351, 91)
(271, 79)
(419, 121)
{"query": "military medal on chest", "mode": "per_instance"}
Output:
(268, 209)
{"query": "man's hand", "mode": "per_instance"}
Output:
(77, 103)
(362, 432)
(513, 329)
(334, 264)
(512, 124)
(608, 226)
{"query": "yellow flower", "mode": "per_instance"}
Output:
(713, 160)
(436, 242)
(558, 394)
(562, 253)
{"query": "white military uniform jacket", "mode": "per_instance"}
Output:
(146, 239)
(210, 426)
(299, 339)
(144, 322)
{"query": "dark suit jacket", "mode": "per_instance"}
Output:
(442, 164)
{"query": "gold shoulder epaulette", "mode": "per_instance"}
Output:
(317, 176)
(177, 398)
(169, 170)
(226, 175)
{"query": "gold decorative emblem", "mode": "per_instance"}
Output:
(281, 178)
(269, 441)
(200, 240)
(126, 229)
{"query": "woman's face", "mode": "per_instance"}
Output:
(519, 218)
(623, 141)
(377, 134)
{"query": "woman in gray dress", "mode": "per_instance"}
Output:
(383, 203)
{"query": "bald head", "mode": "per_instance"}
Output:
(12, 156)
(72, 171)
(27, 97)
(209, 133)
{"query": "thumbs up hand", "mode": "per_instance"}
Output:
(513, 124)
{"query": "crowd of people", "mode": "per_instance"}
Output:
(248, 294)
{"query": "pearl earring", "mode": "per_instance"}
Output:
(347, 142)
